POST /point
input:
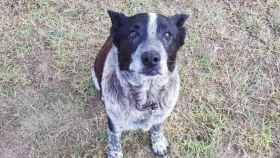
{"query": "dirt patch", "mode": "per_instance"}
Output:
(37, 68)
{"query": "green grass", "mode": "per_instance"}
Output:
(229, 68)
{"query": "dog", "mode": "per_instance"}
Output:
(136, 75)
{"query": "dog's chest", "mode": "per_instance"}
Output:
(143, 107)
(148, 96)
(136, 107)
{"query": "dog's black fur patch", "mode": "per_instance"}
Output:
(128, 33)
(174, 26)
(110, 125)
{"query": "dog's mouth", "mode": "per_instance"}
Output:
(148, 106)
(151, 71)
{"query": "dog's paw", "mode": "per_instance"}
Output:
(114, 154)
(159, 145)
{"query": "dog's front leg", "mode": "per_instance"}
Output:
(114, 141)
(158, 141)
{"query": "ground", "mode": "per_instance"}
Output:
(229, 104)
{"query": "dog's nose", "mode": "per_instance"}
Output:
(150, 58)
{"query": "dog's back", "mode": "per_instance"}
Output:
(98, 67)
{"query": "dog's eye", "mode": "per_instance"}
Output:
(167, 35)
(133, 34)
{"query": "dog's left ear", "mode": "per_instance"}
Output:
(117, 19)
(179, 19)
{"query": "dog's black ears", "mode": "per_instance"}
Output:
(117, 19)
(179, 19)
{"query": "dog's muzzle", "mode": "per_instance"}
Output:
(151, 62)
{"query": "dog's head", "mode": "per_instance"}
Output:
(147, 43)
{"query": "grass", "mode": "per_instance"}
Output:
(229, 103)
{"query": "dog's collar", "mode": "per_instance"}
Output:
(147, 106)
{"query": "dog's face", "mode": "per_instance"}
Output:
(147, 43)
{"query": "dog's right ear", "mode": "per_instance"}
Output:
(179, 19)
(117, 19)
